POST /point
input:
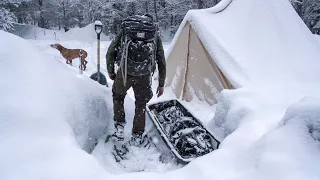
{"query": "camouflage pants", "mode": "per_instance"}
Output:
(141, 86)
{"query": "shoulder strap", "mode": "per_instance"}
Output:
(156, 45)
(155, 49)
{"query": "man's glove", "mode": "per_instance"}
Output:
(112, 76)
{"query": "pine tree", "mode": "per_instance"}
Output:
(7, 18)
(308, 10)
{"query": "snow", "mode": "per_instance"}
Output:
(47, 115)
(317, 38)
(98, 23)
(55, 111)
(222, 5)
(244, 48)
(85, 35)
(261, 58)
(50, 116)
(251, 42)
(141, 159)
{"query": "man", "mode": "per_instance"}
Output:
(137, 49)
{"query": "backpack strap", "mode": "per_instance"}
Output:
(124, 60)
(155, 49)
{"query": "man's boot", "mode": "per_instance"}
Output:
(118, 134)
(139, 140)
(118, 139)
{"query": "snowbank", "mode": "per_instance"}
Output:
(252, 43)
(317, 38)
(47, 113)
(41, 131)
(261, 59)
(86, 34)
(47, 116)
(288, 152)
(305, 114)
(27, 31)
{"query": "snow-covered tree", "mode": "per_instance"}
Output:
(6, 19)
(308, 10)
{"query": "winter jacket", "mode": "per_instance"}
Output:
(160, 58)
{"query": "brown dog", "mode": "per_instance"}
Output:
(70, 54)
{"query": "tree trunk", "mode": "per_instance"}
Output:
(64, 16)
(146, 4)
(41, 19)
(59, 24)
(155, 10)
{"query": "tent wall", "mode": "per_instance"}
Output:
(177, 62)
(191, 70)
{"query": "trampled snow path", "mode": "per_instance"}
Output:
(141, 159)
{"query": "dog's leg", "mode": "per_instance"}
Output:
(84, 63)
(81, 65)
(68, 61)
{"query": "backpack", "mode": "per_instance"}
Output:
(137, 53)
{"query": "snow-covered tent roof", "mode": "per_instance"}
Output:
(239, 43)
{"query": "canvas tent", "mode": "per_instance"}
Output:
(193, 71)
(196, 72)
(237, 46)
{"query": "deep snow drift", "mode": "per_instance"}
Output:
(47, 115)
(261, 58)
(55, 111)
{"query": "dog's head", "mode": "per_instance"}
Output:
(56, 46)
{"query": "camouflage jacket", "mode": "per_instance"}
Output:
(160, 58)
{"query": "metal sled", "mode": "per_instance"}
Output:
(154, 111)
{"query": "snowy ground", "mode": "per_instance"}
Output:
(50, 116)
(43, 140)
(142, 160)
